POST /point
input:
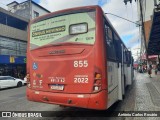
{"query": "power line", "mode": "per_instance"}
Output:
(123, 18)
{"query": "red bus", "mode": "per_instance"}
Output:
(76, 58)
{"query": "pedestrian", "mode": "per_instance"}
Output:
(156, 69)
(144, 68)
(150, 70)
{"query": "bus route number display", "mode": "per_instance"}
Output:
(81, 63)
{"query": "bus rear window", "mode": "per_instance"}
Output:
(75, 28)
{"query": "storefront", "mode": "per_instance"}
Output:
(154, 42)
(13, 66)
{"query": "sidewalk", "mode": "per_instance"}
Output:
(147, 94)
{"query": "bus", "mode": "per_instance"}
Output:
(76, 58)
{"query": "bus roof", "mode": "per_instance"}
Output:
(66, 11)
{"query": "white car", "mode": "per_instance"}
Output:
(25, 80)
(8, 81)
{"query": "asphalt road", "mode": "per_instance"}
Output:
(14, 99)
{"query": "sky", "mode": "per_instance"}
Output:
(128, 32)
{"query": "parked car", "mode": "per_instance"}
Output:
(8, 81)
(25, 80)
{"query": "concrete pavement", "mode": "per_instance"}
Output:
(147, 94)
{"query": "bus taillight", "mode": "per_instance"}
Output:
(28, 80)
(97, 82)
(97, 76)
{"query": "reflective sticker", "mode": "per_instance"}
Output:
(35, 66)
(40, 82)
(34, 74)
(34, 82)
(80, 96)
(37, 83)
(36, 92)
(39, 75)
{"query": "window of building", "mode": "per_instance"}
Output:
(12, 47)
(36, 14)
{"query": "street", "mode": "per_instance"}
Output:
(143, 95)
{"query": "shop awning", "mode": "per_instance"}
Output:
(143, 57)
(154, 39)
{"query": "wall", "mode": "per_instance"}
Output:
(39, 10)
(22, 10)
(147, 11)
(147, 27)
(9, 46)
(11, 32)
(147, 7)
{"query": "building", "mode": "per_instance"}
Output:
(13, 36)
(149, 12)
(154, 37)
(28, 9)
(145, 13)
(13, 42)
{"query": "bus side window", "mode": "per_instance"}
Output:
(110, 43)
(118, 48)
(124, 56)
(129, 58)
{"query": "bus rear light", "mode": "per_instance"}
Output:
(96, 88)
(98, 76)
(97, 82)
(28, 80)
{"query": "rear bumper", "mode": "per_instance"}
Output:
(90, 101)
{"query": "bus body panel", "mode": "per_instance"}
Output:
(112, 82)
(90, 101)
(66, 74)
(119, 82)
(61, 71)
(58, 69)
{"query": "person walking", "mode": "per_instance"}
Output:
(150, 70)
(156, 69)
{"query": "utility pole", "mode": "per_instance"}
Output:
(143, 30)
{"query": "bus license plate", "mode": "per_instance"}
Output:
(57, 87)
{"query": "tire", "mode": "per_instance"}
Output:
(19, 84)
